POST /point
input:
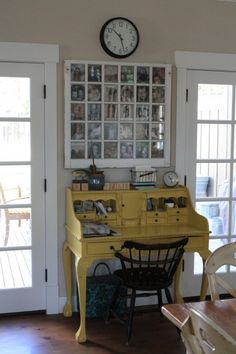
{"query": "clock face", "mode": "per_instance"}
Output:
(170, 179)
(119, 37)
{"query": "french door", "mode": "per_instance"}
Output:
(210, 162)
(22, 217)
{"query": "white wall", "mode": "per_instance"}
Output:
(164, 25)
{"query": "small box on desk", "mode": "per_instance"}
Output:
(79, 186)
(116, 186)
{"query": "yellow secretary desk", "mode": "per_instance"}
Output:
(153, 215)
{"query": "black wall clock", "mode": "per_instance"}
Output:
(119, 37)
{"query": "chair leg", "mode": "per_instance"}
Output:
(168, 296)
(131, 315)
(160, 302)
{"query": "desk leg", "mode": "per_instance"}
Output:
(81, 276)
(67, 311)
(178, 296)
(204, 284)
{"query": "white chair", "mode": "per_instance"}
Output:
(11, 196)
(225, 255)
(202, 336)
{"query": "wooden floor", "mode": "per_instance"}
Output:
(15, 265)
(41, 334)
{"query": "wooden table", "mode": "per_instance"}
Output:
(222, 312)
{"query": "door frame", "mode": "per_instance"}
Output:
(47, 54)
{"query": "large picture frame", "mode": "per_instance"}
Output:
(117, 113)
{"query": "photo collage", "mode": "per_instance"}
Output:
(117, 111)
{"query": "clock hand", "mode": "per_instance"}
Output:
(118, 34)
(121, 39)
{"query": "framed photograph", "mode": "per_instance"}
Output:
(142, 112)
(110, 111)
(127, 93)
(157, 131)
(110, 150)
(158, 75)
(94, 92)
(127, 150)
(77, 72)
(157, 149)
(77, 111)
(117, 113)
(127, 74)
(158, 94)
(142, 93)
(142, 131)
(94, 73)
(77, 151)
(94, 150)
(94, 131)
(77, 92)
(111, 93)
(142, 150)
(126, 131)
(77, 131)
(110, 131)
(111, 73)
(127, 112)
(94, 111)
(143, 74)
(158, 113)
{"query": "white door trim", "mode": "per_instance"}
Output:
(47, 54)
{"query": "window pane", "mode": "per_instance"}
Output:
(212, 180)
(213, 245)
(213, 141)
(214, 102)
(14, 97)
(16, 269)
(15, 184)
(15, 228)
(216, 214)
(15, 141)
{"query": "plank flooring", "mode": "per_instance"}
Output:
(42, 334)
(15, 265)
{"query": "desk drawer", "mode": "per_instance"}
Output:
(103, 248)
(177, 219)
(156, 220)
(176, 211)
(159, 214)
(86, 216)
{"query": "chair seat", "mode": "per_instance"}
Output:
(146, 270)
(146, 279)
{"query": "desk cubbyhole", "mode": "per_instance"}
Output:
(182, 202)
(109, 205)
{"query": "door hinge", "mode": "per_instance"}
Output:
(185, 180)
(44, 91)
(45, 185)
(183, 265)
(46, 275)
(186, 95)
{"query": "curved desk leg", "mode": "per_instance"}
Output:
(204, 285)
(67, 311)
(81, 275)
(178, 296)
